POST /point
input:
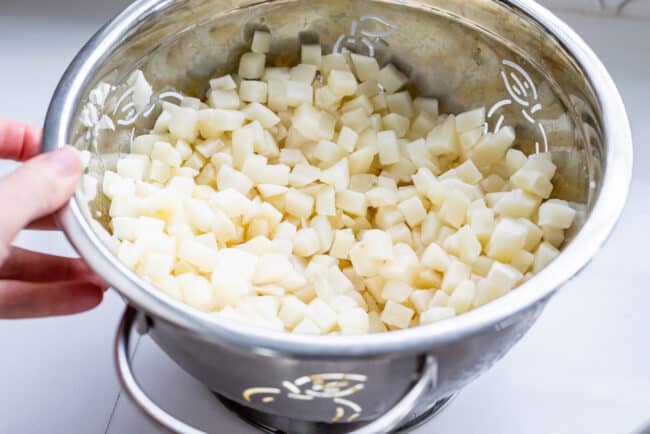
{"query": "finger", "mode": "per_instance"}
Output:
(30, 300)
(47, 223)
(31, 266)
(19, 141)
(37, 188)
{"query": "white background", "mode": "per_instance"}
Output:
(583, 368)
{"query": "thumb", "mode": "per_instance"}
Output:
(39, 187)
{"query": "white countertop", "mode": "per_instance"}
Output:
(583, 368)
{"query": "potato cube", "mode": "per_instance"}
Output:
(401, 103)
(199, 255)
(502, 277)
(334, 62)
(454, 208)
(307, 327)
(353, 321)
(435, 314)
(470, 119)
(556, 213)
(365, 67)
(352, 202)
(299, 204)
(356, 119)
(380, 196)
(262, 114)
(492, 147)
(456, 272)
(251, 65)
(322, 315)
(361, 160)
(271, 268)
(132, 167)
(324, 98)
(292, 311)
(544, 254)
(326, 202)
(532, 181)
(311, 54)
(197, 291)
(413, 211)
(470, 138)
(442, 140)
(508, 238)
(306, 242)
(388, 148)
(261, 42)
(468, 172)
(428, 186)
(303, 174)
(225, 82)
(516, 204)
(252, 91)
(337, 175)
(212, 122)
(492, 183)
(347, 139)
(515, 160)
(232, 203)
(553, 235)
(522, 261)
(439, 299)
(396, 315)
(396, 291)
(231, 178)
(426, 105)
(342, 83)
(224, 99)
(165, 153)
(298, 93)
(391, 78)
(463, 296)
(397, 123)
(343, 242)
(327, 152)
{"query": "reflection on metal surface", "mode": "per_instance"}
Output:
(523, 92)
(334, 386)
(365, 33)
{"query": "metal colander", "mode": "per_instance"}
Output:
(514, 57)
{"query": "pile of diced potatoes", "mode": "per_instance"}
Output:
(324, 198)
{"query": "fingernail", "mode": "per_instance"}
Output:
(66, 160)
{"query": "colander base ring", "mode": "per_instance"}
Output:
(273, 424)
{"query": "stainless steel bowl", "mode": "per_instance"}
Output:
(514, 57)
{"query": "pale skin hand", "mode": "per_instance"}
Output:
(35, 284)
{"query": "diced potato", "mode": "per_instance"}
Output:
(253, 91)
(508, 238)
(391, 78)
(556, 213)
(311, 54)
(261, 42)
(387, 147)
(225, 82)
(442, 140)
(470, 120)
(343, 242)
(365, 67)
(435, 314)
(251, 65)
(397, 315)
(401, 103)
(342, 83)
(224, 99)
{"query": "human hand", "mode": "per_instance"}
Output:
(35, 284)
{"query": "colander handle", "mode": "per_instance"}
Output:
(123, 361)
